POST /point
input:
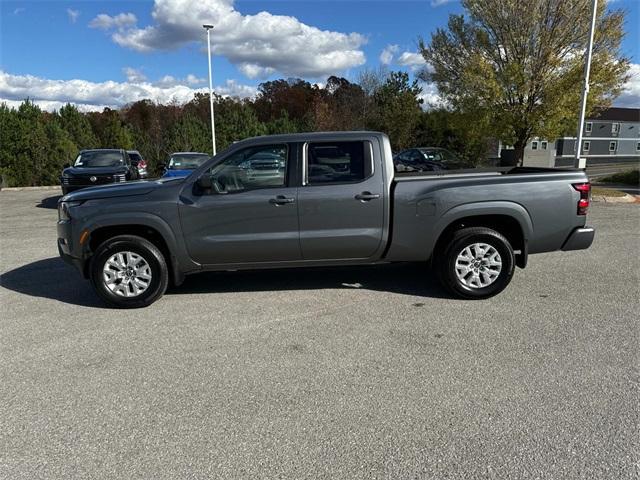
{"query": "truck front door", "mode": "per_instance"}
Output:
(250, 213)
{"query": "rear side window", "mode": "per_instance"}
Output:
(338, 162)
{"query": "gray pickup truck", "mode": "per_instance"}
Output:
(319, 199)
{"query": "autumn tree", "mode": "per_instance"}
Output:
(339, 106)
(516, 66)
(294, 96)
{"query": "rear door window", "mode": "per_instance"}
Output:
(338, 162)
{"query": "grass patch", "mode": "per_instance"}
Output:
(629, 177)
(607, 192)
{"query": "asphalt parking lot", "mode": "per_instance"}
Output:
(336, 373)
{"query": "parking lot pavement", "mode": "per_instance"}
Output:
(333, 373)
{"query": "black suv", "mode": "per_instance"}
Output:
(98, 167)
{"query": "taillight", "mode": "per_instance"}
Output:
(585, 197)
(142, 164)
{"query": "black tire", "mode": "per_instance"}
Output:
(445, 262)
(149, 253)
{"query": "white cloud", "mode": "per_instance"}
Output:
(252, 70)
(437, 3)
(107, 22)
(411, 59)
(259, 44)
(52, 94)
(134, 75)
(386, 56)
(171, 81)
(630, 96)
(73, 15)
(19, 10)
(430, 96)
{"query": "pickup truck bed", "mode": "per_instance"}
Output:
(320, 199)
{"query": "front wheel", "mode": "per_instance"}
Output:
(129, 272)
(477, 263)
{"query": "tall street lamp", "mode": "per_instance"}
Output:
(579, 161)
(208, 28)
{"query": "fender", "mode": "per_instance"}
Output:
(180, 260)
(475, 209)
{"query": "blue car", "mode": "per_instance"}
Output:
(181, 164)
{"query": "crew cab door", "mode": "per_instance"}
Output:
(250, 212)
(341, 200)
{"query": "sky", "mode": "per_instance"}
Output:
(110, 53)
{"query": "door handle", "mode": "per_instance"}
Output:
(281, 200)
(366, 196)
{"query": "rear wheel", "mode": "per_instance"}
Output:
(129, 272)
(477, 263)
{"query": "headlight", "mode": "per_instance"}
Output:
(63, 210)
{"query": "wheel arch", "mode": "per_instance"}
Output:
(511, 220)
(155, 231)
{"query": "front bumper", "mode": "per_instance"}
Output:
(65, 246)
(579, 239)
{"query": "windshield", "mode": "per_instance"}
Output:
(187, 161)
(99, 159)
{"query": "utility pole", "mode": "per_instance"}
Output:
(208, 28)
(579, 161)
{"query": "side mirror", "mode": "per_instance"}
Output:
(161, 166)
(66, 165)
(208, 185)
(204, 182)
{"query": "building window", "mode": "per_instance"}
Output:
(588, 127)
(638, 147)
(543, 145)
(615, 127)
(534, 145)
(586, 146)
(613, 146)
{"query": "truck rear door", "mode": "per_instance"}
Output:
(341, 200)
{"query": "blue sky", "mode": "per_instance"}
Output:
(118, 51)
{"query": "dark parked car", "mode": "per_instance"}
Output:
(181, 164)
(138, 161)
(98, 167)
(428, 159)
(320, 199)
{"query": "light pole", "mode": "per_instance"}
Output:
(582, 162)
(213, 125)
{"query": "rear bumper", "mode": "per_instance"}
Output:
(579, 239)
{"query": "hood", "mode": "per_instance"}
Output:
(82, 172)
(111, 190)
(176, 173)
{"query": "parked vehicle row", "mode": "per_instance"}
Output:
(99, 167)
(428, 159)
(320, 199)
(107, 165)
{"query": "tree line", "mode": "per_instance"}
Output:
(35, 144)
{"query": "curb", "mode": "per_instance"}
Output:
(26, 189)
(626, 199)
